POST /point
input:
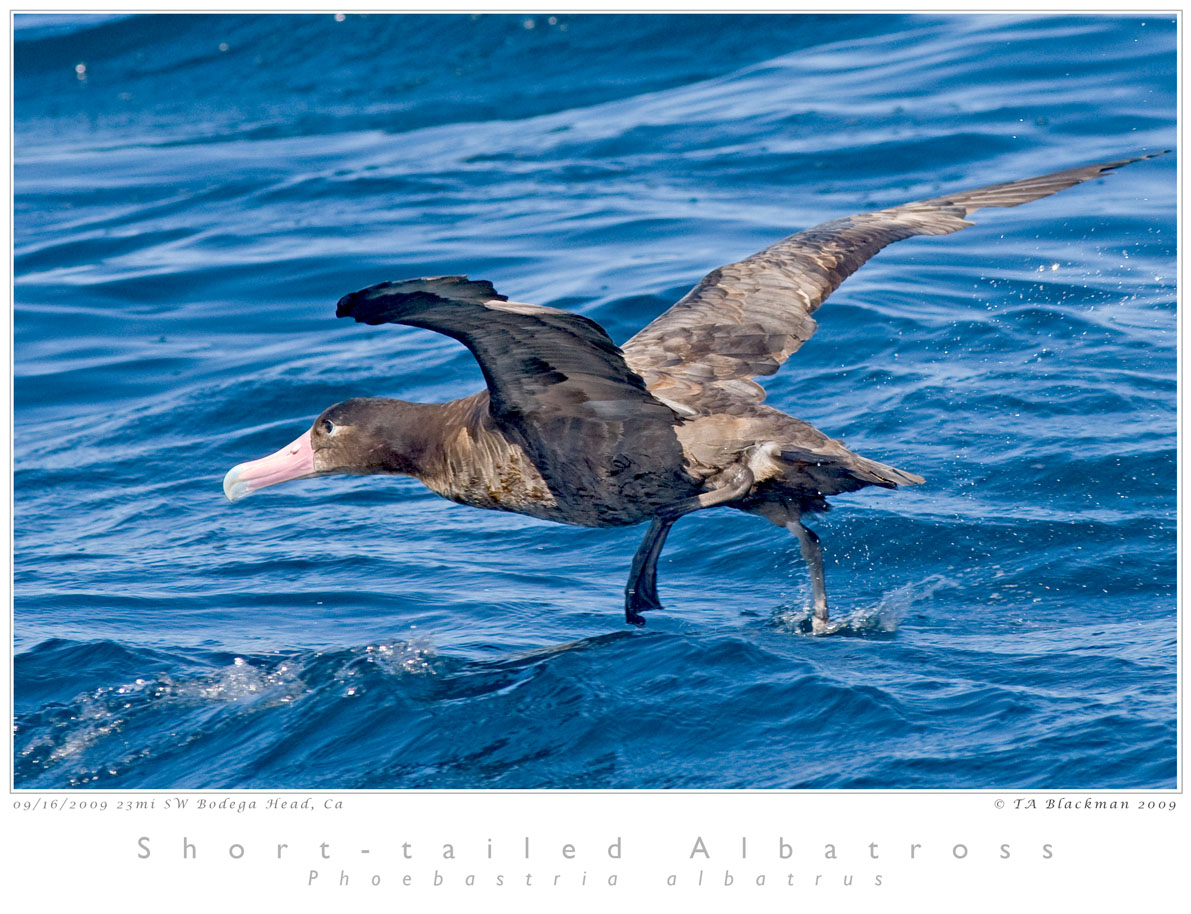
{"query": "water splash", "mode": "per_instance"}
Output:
(881, 620)
(396, 658)
(104, 722)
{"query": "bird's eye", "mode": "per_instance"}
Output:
(328, 426)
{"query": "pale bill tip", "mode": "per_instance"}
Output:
(233, 486)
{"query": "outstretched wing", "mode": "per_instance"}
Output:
(538, 362)
(744, 320)
(556, 382)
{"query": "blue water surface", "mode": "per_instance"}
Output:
(194, 193)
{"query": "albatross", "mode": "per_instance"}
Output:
(574, 429)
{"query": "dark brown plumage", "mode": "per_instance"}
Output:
(575, 430)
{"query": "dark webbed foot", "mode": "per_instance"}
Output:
(643, 597)
(641, 592)
(641, 602)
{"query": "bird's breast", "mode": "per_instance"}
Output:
(484, 468)
(485, 472)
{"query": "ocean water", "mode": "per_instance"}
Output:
(194, 193)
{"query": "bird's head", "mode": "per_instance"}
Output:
(361, 436)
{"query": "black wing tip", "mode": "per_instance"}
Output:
(1109, 167)
(388, 302)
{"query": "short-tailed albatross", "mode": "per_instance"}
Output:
(574, 429)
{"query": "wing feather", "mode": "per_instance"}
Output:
(745, 319)
(538, 362)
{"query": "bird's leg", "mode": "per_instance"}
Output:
(739, 480)
(641, 592)
(812, 553)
